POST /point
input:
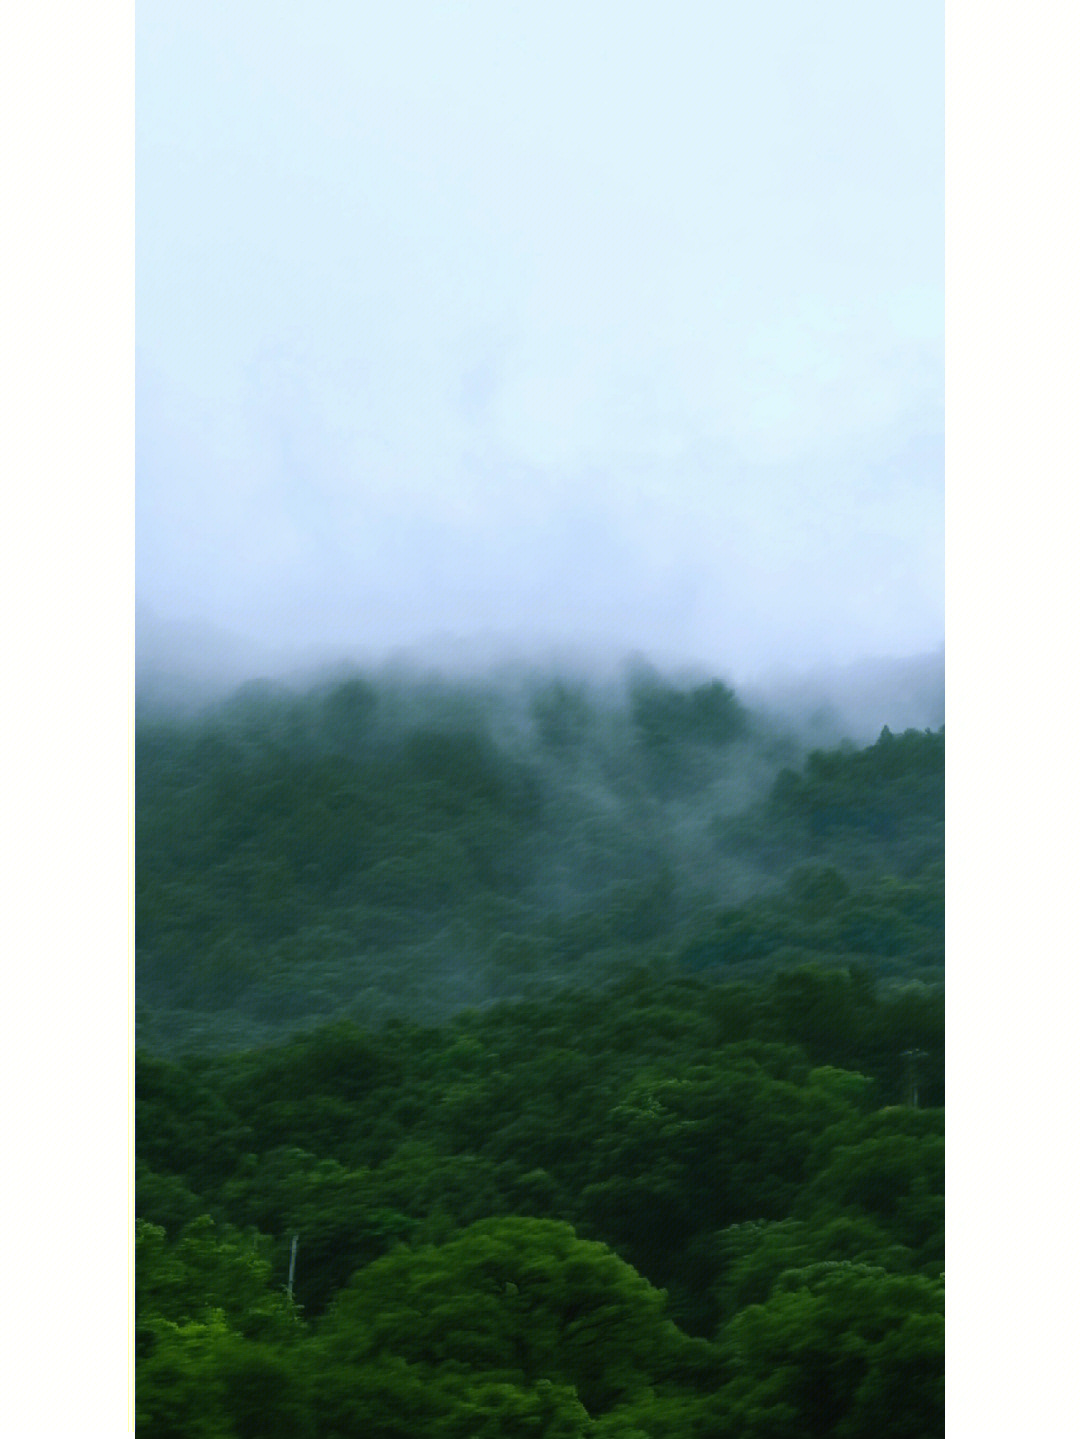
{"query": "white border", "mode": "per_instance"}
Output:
(67, 531)
(1012, 471)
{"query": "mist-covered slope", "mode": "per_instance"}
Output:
(387, 843)
(536, 1055)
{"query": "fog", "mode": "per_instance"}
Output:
(439, 830)
(557, 333)
(191, 667)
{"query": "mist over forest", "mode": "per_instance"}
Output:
(539, 1048)
(539, 883)
(185, 664)
(413, 839)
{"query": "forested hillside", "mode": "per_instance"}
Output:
(364, 850)
(587, 1039)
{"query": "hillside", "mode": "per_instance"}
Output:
(536, 1058)
(363, 849)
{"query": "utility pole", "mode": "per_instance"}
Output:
(292, 1265)
(914, 1057)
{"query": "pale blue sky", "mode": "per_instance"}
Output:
(605, 322)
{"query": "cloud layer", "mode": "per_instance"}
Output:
(559, 322)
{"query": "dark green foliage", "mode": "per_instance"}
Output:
(580, 1065)
(524, 1300)
(889, 796)
(356, 850)
(714, 1164)
(677, 730)
(840, 1349)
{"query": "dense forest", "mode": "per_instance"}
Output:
(536, 1056)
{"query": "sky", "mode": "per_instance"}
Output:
(610, 324)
